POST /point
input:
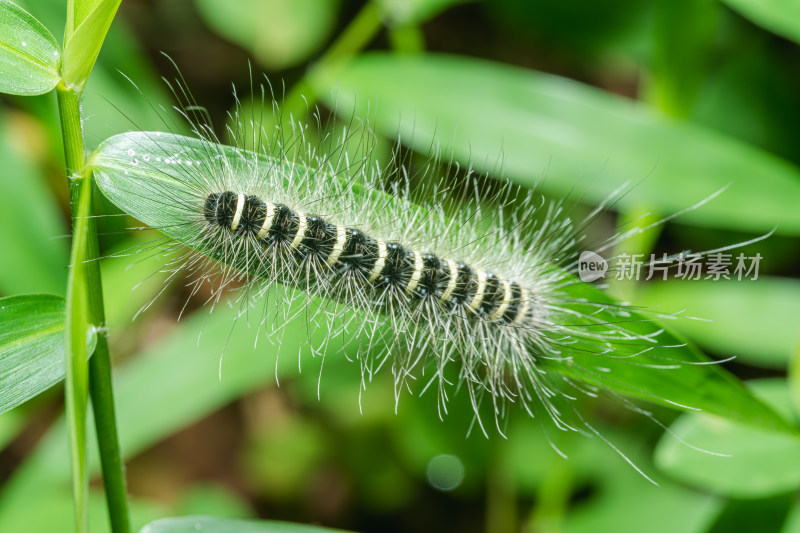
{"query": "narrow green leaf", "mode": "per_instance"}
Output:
(761, 463)
(77, 11)
(31, 346)
(83, 45)
(82, 9)
(131, 181)
(777, 16)
(730, 323)
(79, 330)
(582, 140)
(131, 167)
(29, 55)
(193, 524)
(671, 372)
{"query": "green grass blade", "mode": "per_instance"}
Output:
(78, 333)
(132, 183)
(777, 16)
(29, 55)
(761, 463)
(83, 45)
(82, 9)
(670, 372)
(31, 346)
(192, 524)
(582, 140)
(734, 320)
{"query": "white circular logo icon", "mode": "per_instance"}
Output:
(591, 266)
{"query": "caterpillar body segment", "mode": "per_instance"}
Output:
(383, 265)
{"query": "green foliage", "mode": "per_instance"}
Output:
(31, 347)
(183, 382)
(80, 332)
(122, 174)
(764, 339)
(585, 139)
(687, 382)
(760, 464)
(29, 55)
(794, 376)
(91, 22)
(733, 87)
(191, 524)
(404, 12)
(777, 16)
(306, 26)
(34, 258)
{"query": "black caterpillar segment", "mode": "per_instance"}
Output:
(512, 304)
(284, 226)
(220, 209)
(383, 263)
(395, 265)
(465, 284)
(360, 251)
(253, 215)
(434, 278)
(210, 208)
(319, 238)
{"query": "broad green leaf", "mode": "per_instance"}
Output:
(279, 33)
(132, 172)
(83, 45)
(761, 463)
(31, 346)
(754, 320)
(29, 55)
(581, 140)
(778, 16)
(211, 524)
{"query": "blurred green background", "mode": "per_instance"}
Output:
(680, 97)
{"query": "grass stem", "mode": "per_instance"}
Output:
(85, 315)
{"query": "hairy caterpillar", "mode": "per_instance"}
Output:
(484, 296)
